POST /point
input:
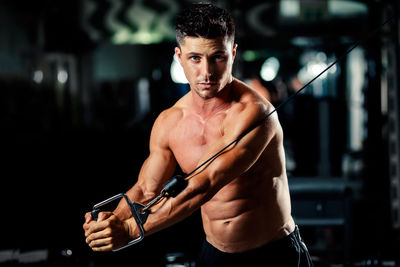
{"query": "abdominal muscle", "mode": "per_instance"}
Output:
(243, 216)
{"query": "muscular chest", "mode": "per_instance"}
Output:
(192, 136)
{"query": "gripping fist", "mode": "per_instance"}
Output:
(107, 233)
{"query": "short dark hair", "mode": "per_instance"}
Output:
(204, 20)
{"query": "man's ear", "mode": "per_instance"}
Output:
(178, 53)
(234, 50)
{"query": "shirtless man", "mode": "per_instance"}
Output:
(243, 194)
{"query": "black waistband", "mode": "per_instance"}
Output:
(285, 242)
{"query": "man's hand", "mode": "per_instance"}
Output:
(107, 233)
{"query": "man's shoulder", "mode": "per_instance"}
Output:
(250, 100)
(164, 125)
(253, 107)
(171, 116)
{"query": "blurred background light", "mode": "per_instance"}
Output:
(289, 8)
(38, 76)
(269, 69)
(62, 76)
(347, 8)
(313, 63)
(293, 9)
(177, 73)
(249, 55)
(125, 36)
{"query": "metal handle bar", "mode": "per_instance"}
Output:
(137, 211)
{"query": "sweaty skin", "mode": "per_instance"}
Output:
(243, 194)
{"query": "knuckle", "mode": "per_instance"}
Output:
(88, 232)
(108, 232)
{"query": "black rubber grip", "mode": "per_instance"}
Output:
(175, 185)
(95, 214)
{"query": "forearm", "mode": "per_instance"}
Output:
(173, 209)
(135, 194)
(149, 184)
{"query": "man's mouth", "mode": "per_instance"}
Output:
(207, 84)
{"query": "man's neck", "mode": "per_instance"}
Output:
(208, 107)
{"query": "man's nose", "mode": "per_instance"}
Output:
(207, 69)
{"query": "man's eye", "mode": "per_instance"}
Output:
(195, 58)
(219, 57)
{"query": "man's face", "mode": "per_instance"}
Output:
(207, 63)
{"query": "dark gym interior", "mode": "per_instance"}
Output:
(81, 83)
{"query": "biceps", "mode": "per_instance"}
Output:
(240, 157)
(248, 149)
(157, 169)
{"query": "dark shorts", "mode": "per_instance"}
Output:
(286, 252)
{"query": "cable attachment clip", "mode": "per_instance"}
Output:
(171, 188)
